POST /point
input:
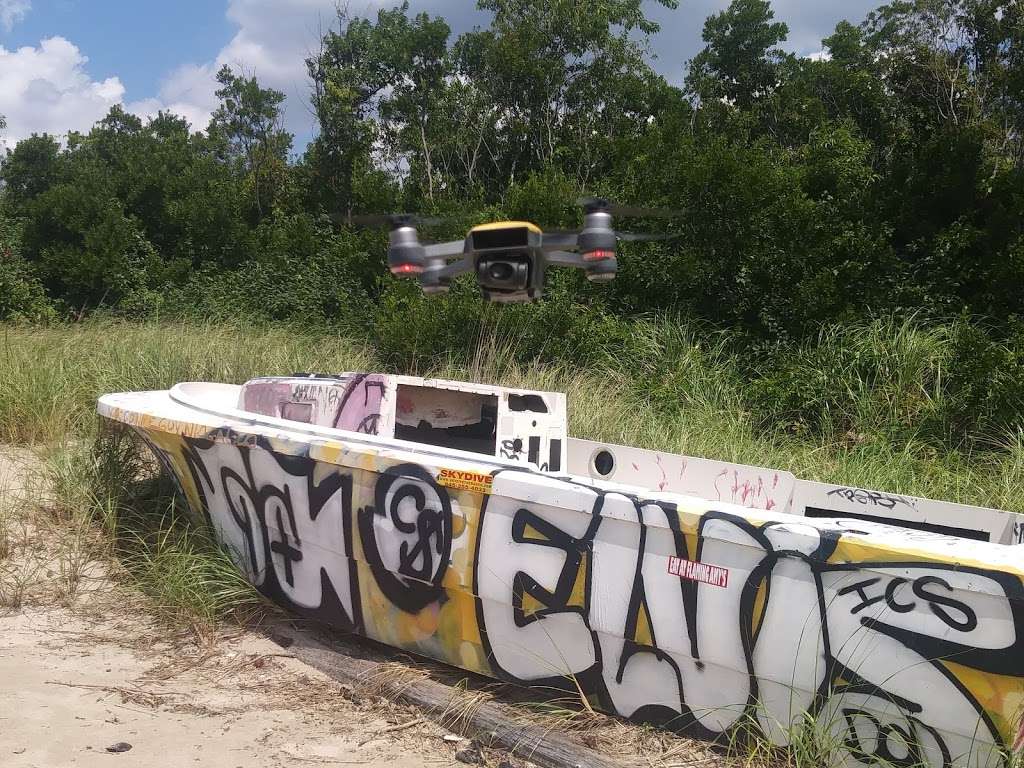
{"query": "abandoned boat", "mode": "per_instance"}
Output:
(461, 522)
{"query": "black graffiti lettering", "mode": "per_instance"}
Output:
(261, 521)
(377, 385)
(890, 597)
(240, 497)
(409, 586)
(428, 527)
(873, 498)
(523, 583)
(860, 589)
(938, 604)
(893, 745)
(369, 425)
(511, 449)
(283, 546)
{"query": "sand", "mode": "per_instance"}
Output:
(79, 676)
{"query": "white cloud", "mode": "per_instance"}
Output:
(46, 89)
(273, 41)
(187, 92)
(13, 11)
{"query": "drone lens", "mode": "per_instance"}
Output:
(501, 271)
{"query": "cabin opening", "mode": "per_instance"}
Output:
(447, 418)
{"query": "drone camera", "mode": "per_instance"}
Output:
(509, 263)
(509, 274)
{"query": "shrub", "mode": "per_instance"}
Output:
(21, 294)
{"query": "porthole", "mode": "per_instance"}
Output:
(603, 463)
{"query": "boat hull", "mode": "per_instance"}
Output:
(901, 647)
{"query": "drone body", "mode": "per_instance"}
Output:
(510, 258)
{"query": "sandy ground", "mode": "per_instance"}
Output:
(78, 679)
(73, 688)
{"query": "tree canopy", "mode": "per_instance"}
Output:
(886, 175)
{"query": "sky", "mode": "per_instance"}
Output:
(64, 63)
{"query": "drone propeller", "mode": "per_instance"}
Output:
(625, 237)
(603, 205)
(388, 220)
(632, 237)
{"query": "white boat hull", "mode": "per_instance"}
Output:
(902, 647)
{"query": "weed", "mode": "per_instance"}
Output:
(114, 505)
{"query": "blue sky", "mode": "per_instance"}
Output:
(63, 63)
(139, 42)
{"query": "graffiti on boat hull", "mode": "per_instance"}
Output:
(662, 611)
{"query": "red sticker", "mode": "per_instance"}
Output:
(702, 572)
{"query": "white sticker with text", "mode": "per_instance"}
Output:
(702, 572)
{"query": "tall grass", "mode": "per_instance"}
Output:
(874, 390)
(51, 376)
(115, 507)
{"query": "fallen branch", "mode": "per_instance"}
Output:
(491, 723)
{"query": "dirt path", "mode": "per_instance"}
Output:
(79, 678)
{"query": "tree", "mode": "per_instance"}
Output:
(29, 170)
(568, 80)
(740, 63)
(248, 127)
(349, 73)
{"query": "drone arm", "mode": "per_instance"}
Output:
(457, 268)
(446, 250)
(560, 241)
(566, 259)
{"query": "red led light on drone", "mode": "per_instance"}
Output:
(598, 255)
(406, 269)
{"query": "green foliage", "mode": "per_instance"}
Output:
(985, 383)
(896, 381)
(300, 273)
(21, 294)
(740, 63)
(879, 381)
(886, 180)
(246, 130)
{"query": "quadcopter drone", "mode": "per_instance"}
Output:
(510, 258)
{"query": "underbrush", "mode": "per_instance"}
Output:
(116, 508)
